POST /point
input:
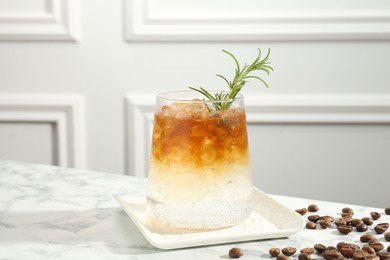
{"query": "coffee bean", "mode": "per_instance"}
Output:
(347, 210)
(282, 257)
(345, 244)
(325, 223)
(346, 214)
(347, 252)
(361, 227)
(375, 215)
(289, 251)
(381, 228)
(274, 252)
(367, 237)
(376, 244)
(387, 211)
(311, 225)
(301, 211)
(320, 248)
(331, 248)
(369, 249)
(313, 218)
(347, 219)
(388, 249)
(383, 255)
(368, 221)
(331, 254)
(339, 222)
(360, 255)
(313, 208)
(344, 229)
(372, 257)
(235, 252)
(387, 236)
(356, 221)
(329, 218)
(307, 250)
(304, 256)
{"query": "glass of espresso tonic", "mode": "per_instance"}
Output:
(199, 175)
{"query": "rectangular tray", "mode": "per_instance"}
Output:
(269, 219)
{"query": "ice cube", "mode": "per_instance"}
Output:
(168, 111)
(199, 108)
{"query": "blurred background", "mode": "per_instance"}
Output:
(78, 81)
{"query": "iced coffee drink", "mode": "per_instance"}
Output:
(199, 176)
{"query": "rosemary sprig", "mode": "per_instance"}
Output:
(241, 77)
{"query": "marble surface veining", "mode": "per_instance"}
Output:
(49, 212)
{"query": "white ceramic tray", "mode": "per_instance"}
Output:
(270, 219)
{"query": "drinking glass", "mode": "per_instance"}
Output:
(199, 171)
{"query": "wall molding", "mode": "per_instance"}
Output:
(145, 21)
(59, 21)
(318, 109)
(291, 109)
(66, 113)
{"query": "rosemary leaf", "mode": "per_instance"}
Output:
(240, 79)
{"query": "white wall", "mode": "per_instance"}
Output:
(81, 76)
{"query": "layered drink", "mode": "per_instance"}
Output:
(199, 176)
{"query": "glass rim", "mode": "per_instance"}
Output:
(169, 96)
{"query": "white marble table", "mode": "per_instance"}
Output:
(48, 212)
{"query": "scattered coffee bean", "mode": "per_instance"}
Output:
(301, 211)
(347, 252)
(367, 237)
(282, 257)
(289, 251)
(307, 250)
(342, 245)
(344, 229)
(376, 244)
(347, 210)
(375, 215)
(368, 221)
(361, 227)
(383, 255)
(388, 249)
(325, 223)
(311, 225)
(347, 219)
(274, 252)
(331, 254)
(304, 256)
(387, 236)
(372, 257)
(356, 221)
(235, 252)
(313, 208)
(320, 248)
(330, 218)
(313, 218)
(369, 249)
(339, 222)
(346, 214)
(381, 228)
(345, 244)
(387, 211)
(360, 255)
(331, 248)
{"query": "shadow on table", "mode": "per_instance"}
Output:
(109, 228)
